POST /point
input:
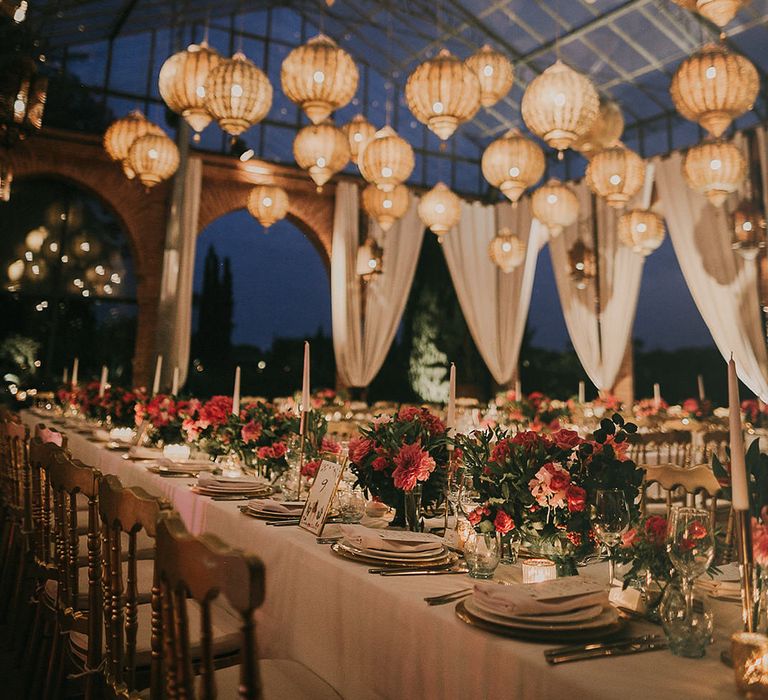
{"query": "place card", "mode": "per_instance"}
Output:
(320, 497)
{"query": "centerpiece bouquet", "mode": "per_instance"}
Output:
(400, 454)
(698, 409)
(537, 411)
(164, 415)
(755, 413)
(650, 408)
(115, 408)
(539, 487)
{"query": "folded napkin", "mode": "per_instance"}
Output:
(559, 596)
(141, 452)
(100, 434)
(270, 506)
(210, 479)
(389, 541)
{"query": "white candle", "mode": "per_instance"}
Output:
(702, 393)
(65, 376)
(158, 370)
(518, 390)
(75, 367)
(175, 387)
(236, 394)
(305, 403)
(176, 453)
(103, 381)
(450, 418)
(582, 392)
(739, 490)
(657, 396)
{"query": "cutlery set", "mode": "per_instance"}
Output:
(595, 650)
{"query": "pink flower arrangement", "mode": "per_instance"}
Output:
(646, 408)
(412, 464)
(760, 542)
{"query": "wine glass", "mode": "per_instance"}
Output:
(691, 547)
(611, 520)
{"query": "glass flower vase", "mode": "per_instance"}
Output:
(412, 509)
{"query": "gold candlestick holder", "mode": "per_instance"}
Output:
(302, 441)
(746, 568)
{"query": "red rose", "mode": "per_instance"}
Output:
(577, 498)
(697, 530)
(527, 439)
(330, 446)
(310, 468)
(408, 413)
(500, 451)
(656, 529)
(278, 450)
(629, 538)
(503, 523)
(477, 514)
(566, 439)
(251, 431)
(559, 480)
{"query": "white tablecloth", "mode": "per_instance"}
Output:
(374, 637)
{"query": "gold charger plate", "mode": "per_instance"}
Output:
(447, 561)
(273, 517)
(542, 636)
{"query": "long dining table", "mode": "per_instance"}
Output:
(374, 637)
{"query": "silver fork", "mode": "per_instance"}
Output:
(447, 597)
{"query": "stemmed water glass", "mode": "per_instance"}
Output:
(691, 547)
(611, 520)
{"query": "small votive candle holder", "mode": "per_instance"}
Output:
(538, 570)
(176, 453)
(122, 434)
(749, 652)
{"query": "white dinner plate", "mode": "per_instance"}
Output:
(400, 557)
(607, 617)
(590, 612)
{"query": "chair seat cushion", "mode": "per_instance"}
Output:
(226, 635)
(281, 679)
(144, 577)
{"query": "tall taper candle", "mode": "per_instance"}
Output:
(75, 367)
(582, 392)
(65, 376)
(305, 404)
(700, 382)
(450, 416)
(175, 385)
(739, 493)
(103, 381)
(657, 396)
(518, 390)
(158, 370)
(236, 394)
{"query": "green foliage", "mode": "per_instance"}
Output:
(757, 477)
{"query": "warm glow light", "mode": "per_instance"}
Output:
(268, 204)
(322, 150)
(386, 150)
(495, 73)
(555, 205)
(385, 207)
(440, 209)
(714, 168)
(513, 163)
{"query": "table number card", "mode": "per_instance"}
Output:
(321, 496)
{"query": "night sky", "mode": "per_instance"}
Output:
(281, 288)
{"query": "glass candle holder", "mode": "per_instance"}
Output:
(122, 434)
(749, 652)
(538, 570)
(176, 453)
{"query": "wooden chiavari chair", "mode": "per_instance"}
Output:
(654, 449)
(202, 569)
(714, 442)
(342, 430)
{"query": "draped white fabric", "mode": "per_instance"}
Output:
(361, 342)
(494, 303)
(723, 285)
(600, 336)
(175, 310)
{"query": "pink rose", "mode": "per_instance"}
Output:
(310, 468)
(629, 538)
(477, 514)
(359, 448)
(503, 523)
(760, 542)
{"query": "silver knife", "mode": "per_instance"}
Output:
(652, 643)
(422, 572)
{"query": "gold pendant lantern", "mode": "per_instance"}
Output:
(582, 265)
(506, 251)
(268, 204)
(720, 12)
(714, 168)
(120, 135)
(320, 77)
(641, 230)
(556, 206)
(385, 207)
(387, 159)
(359, 132)
(605, 131)
(513, 163)
(442, 93)
(440, 209)
(617, 174)
(322, 150)
(370, 260)
(153, 158)
(494, 72)
(749, 229)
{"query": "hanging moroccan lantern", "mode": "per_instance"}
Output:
(182, 83)
(121, 134)
(385, 207)
(506, 251)
(359, 132)
(153, 158)
(720, 12)
(268, 203)
(440, 209)
(237, 94)
(605, 131)
(387, 159)
(749, 229)
(556, 206)
(370, 260)
(320, 77)
(513, 163)
(713, 87)
(617, 174)
(582, 265)
(494, 72)
(442, 93)
(641, 230)
(686, 4)
(714, 168)
(560, 105)
(6, 180)
(322, 150)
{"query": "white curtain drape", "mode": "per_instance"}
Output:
(723, 284)
(495, 304)
(175, 309)
(600, 335)
(361, 340)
